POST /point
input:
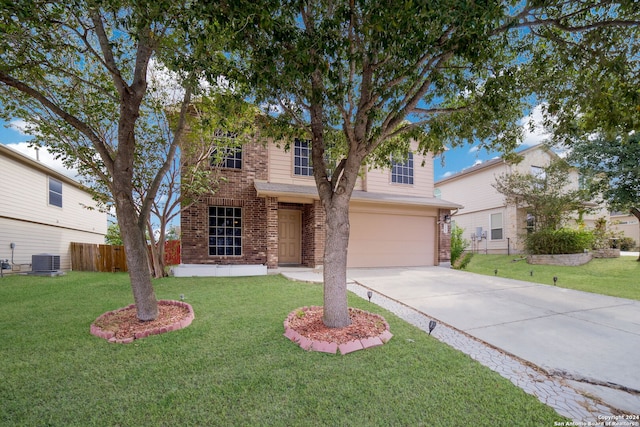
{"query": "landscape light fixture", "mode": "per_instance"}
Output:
(555, 280)
(181, 297)
(495, 271)
(369, 294)
(531, 273)
(432, 326)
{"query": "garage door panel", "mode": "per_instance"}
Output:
(386, 240)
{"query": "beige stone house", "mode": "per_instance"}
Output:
(490, 224)
(268, 213)
(42, 212)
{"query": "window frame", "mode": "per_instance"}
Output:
(302, 164)
(492, 229)
(231, 159)
(50, 192)
(225, 234)
(403, 172)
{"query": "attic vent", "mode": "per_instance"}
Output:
(45, 263)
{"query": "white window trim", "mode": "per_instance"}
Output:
(500, 228)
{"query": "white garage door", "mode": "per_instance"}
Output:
(391, 240)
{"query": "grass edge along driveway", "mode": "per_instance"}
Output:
(232, 366)
(617, 277)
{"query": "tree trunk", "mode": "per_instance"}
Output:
(135, 246)
(336, 310)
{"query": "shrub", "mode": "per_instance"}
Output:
(462, 262)
(458, 244)
(563, 241)
(626, 244)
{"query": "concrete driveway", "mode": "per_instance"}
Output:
(591, 338)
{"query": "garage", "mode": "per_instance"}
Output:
(386, 236)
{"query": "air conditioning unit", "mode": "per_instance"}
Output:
(45, 262)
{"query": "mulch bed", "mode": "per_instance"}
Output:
(305, 327)
(123, 326)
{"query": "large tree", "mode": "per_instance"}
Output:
(552, 197)
(382, 73)
(78, 72)
(611, 169)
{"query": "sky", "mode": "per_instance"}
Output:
(455, 160)
(12, 134)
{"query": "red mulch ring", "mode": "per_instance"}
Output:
(305, 327)
(123, 326)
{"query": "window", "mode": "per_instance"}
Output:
(538, 172)
(496, 226)
(225, 231)
(402, 172)
(55, 192)
(227, 157)
(302, 158)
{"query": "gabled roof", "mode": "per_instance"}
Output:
(492, 163)
(265, 188)
(17, 156)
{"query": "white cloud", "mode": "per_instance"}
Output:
(477, 162)
(474, 149)
(166, 83)
(534, 132)
(20, 126)
(45, 157)
(447, 174)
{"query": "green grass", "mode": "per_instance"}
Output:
(232, 366)
(616, 277)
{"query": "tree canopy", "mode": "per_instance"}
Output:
(551, 197)
(78, 72)
(370, 76)
(611, 169)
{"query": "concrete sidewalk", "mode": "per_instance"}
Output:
(591, 340)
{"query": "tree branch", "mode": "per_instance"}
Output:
(72, 120)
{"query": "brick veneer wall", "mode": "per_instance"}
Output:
(314, 234)
(444, 239)
(237, 191)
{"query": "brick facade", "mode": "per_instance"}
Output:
(444, 236)
(259, 219)
(260, 216)
(236, 191)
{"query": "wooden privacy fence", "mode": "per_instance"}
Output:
(92, 257)
(111, 258)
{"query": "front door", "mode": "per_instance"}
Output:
(289, 236)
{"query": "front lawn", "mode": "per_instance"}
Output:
(616, 277)
(231, 367)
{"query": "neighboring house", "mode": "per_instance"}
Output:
(490, 224)
(268, 212)
(42, 211)
(626, 224)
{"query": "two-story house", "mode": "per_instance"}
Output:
(491, 224)
(42, 212)
(268, 212)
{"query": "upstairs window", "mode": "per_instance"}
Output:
(227, 157)
(55, 192)
(538, 172)
(302, 158)
(402, 172)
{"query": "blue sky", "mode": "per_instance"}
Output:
(455, 160)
